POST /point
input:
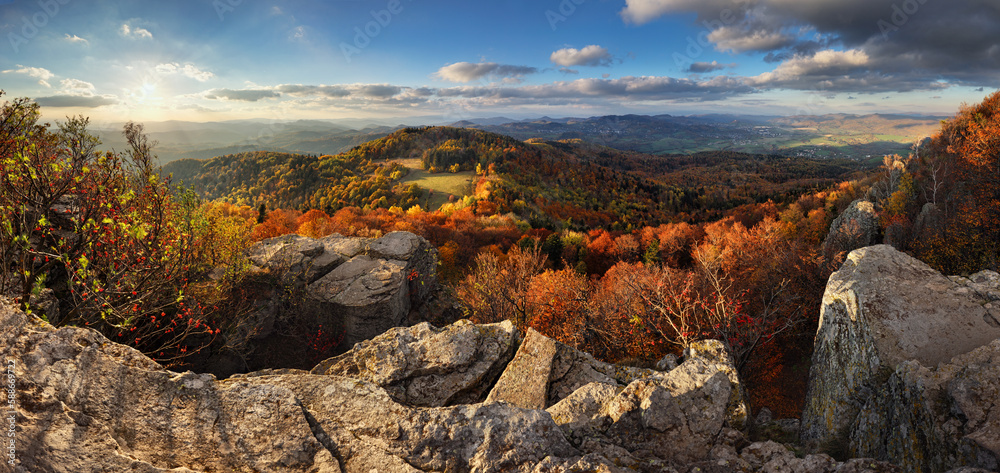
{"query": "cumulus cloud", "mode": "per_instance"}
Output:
(469, 72)
(243, 95)
(705, 67)
(77, 39)
(740, 40)
(187, 70)
(592, 55)
(628, 88)
(43, 75)
(77, 87)
(83, 101)
(915, 42)
(299, 90)
(135, 32)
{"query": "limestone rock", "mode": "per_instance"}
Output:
(650, 420)
(426, 366)
(573, 369)
(674, 417)
(880, 309)
(85, 404)
(525, 382)
(702, 360)
(934, 419)
(371, 295)
(290, 254)
(370, 284)
(577, 410)
(856, 227)
(367, 429)
(667, 363)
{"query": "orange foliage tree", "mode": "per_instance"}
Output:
(970, 235)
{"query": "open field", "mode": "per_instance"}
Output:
(442, 185)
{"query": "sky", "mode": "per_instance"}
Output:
(216, 60)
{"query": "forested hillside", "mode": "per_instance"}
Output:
(625, 255)
(549, 183)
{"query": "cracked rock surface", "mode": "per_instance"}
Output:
(880, 309)
(371, 284)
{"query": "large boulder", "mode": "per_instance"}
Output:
(369, 285)
(856, 227)
(427, 366)
(880, 309)
(932, 419)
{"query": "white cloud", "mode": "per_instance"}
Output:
(187, 70)
(827, 62)
(77, 87)
(77, 39)
(137, 33)
(739, 40)
(43, 75)
(245, 95)
(592, 55)
(468, 72)
(643, 11)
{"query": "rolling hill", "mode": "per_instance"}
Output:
(563, 182)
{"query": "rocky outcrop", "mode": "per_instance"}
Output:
(856, 227)
(370, 285)
(426, 366)
(84, 404)
(932, 419)
(881, 309)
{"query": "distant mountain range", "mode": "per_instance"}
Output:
(827, 136)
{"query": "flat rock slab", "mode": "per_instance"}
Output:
(525, 382)
(427, 366)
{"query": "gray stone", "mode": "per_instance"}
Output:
(395, 245)
(85, 404)
(856, 227)
(426, 366)
(935, 419)
(573, 369)
(576, 411)
(525, 382)
(667, 363)
(372, 285)
(882, 308)
(289, 255)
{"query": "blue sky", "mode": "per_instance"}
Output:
(211, 60)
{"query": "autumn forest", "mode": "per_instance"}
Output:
(626, 255)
